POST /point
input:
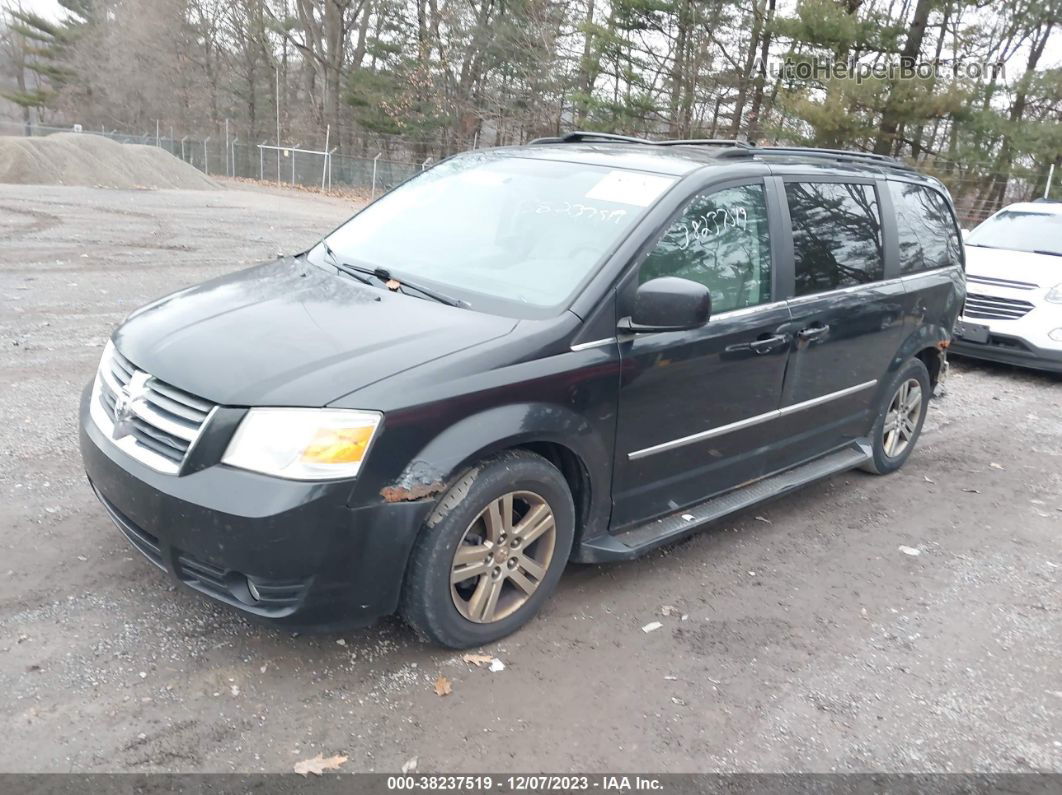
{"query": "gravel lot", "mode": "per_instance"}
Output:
(811, 642)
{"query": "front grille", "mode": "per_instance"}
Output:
(991, 307)
(160, 422)
(1001, 282)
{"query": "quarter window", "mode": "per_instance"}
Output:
(720, 240)
(836, 235)
(927, 235)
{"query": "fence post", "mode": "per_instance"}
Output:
(293, 168)
(372, 194)
(232, 158)
(226, 147)
(261, 163)
(334, 148)
(324, 165)
(1050, 177)
(157, 143)
(182, 149)
(206, 156)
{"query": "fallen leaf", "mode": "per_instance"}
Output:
(409, 765)
(496, 665)
(477, 660)
(318, 765)
(443, 686)
(763, 519)
(994, 465)
(972, 491)
(914, 553)
(652, 625)
(928, 479)
(669, 610)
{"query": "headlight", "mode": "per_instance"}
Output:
(303, 444)
(1054, 295)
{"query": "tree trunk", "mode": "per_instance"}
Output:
(890, 117)
(758, 16)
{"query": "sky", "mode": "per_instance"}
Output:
(52, 10)
(46, 8)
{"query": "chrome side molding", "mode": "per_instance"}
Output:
(785, 411)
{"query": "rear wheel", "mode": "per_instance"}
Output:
(900, 418)
(491, 552)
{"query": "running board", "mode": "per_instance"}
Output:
(641, 538)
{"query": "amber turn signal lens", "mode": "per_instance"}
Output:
(338, 445)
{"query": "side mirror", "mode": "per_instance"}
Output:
(669, 304)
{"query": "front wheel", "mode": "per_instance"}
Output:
(491, 552)
(900, 418)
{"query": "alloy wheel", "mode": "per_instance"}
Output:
(901, 420)
(503, 557)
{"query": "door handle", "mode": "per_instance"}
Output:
(769, 344)
(765, 345)
(813, 333)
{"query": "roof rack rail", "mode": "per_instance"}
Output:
(587, 135)
(841, 155)
(734, 148)
(705, 142)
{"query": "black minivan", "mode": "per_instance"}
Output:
(578, 349)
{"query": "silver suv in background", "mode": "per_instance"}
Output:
(1013, 309)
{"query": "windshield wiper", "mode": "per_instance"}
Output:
(360, 273)
(363, 273)
(1048, 253)
(442, 298)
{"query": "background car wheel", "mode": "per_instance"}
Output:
(491, 552)
(900, 418)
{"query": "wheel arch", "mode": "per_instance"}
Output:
(927, 343)
(560, 435)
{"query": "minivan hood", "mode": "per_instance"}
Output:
(1043, 270)
(289, 333)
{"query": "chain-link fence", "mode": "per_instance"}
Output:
(976, 195)
(217, 156)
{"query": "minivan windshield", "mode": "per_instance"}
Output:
(492, 228)
(1020, 230)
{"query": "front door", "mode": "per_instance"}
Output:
(695, 406)
(848, 318)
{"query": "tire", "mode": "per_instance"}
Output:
(893, 447)
(497, 565)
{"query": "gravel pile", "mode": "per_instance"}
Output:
(94, 161)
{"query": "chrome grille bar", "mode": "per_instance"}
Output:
(993, 307)
(1001, 282)
(163, 421)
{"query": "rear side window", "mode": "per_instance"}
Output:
(720, 240)
(927, 234)
(836, 235)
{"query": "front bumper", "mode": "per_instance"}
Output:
(1010, 349)
(292, 552)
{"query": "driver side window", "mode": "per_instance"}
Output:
(720, 240)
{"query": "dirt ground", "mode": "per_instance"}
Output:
(804, 638)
